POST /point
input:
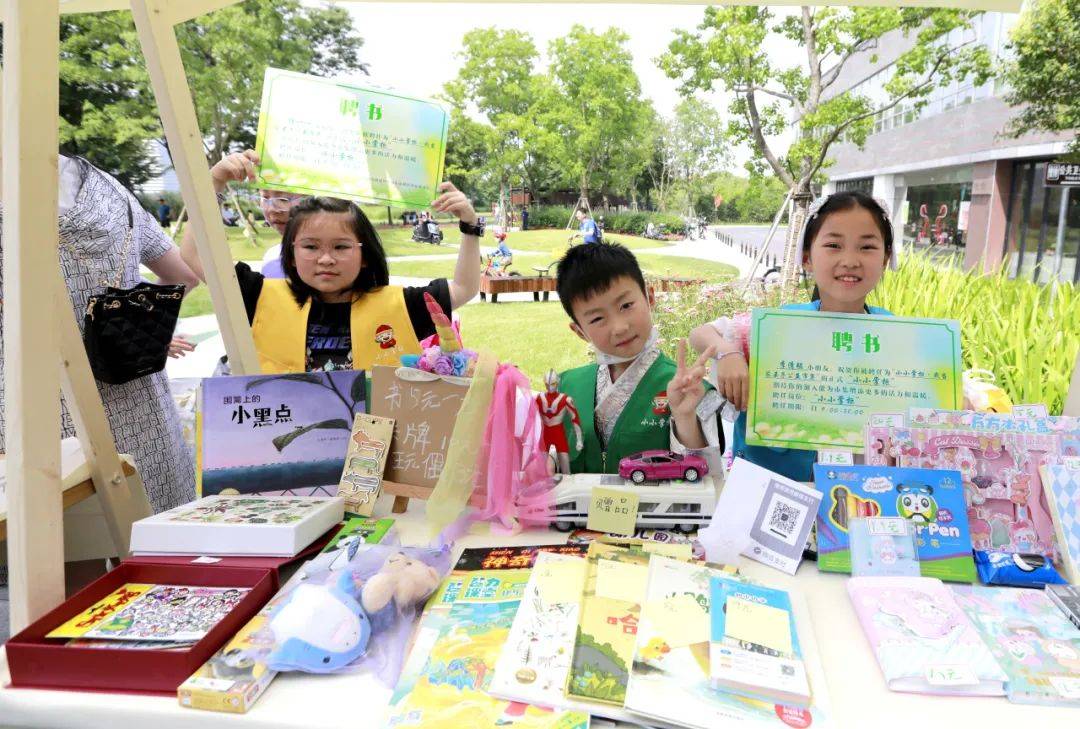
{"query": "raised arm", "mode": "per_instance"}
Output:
(237, 167)
(466, 282)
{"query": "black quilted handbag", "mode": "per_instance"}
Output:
(127, 331)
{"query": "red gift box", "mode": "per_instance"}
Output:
(37, 662)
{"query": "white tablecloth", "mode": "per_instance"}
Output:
(859, 697)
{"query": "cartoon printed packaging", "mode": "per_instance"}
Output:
(1007, 508)
(932, 500)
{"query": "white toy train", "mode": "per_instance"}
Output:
(665, 505)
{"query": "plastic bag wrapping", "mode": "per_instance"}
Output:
(388, 629)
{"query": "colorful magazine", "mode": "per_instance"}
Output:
(1063, 493)
(1006, 506)
(1032, 639)
(754, 647)
(932, 500)
(277, 434)
(481, 576)
(670, 681)
(272, 526)
(923, 641)
(167, 613)
(446, 677)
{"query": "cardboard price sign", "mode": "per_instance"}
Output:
(424, 411)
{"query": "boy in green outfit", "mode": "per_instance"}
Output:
(634, 398)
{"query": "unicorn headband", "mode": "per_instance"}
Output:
(815, 208)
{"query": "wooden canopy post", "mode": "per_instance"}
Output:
(32, 373)
(154, 20)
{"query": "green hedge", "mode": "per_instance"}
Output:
(630, 222)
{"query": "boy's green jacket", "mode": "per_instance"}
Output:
(643, 424)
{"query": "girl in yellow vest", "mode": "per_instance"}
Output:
(335, 308)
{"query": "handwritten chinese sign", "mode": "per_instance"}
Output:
(817, 377)
(321, 137)
(612, 510)
(424, 413)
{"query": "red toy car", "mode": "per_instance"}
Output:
(662, 466)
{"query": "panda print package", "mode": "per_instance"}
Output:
(932, 500)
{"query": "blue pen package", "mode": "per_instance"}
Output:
(1016, 570)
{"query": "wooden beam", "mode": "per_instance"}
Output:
(185, 142)
(31, 369)
(123, 500)
(181, 11)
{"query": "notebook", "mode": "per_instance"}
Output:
(923, 641)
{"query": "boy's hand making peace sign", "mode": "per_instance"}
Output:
(684, 393)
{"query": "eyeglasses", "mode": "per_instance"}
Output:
(282, 204)
(338, 251)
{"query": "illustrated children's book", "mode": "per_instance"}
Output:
(932, 500)
(754, 647)
(140, 612)
(365, 462)
(1062, 483)
(921, 638)
(670, 678)
(607, 631)
(445, 680)
(535, 659)
(349, 539)
(1007, 509)
(272, 526)
(276, 434)
(1034, 642)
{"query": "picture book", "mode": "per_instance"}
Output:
(276, 434)
(932, 500)
(140, 612)
(446, 678)
(1067, 598)
(1007, 508)
(923, 641)
(365, 462)
(670, 676)
(754, 644)
(131, 645)
(1032, 640)
(272, 526)
(353, 535)
(1062, 483)
(535, 660)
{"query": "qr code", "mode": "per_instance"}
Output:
(783, 518)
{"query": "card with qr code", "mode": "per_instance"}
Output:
(784, 517)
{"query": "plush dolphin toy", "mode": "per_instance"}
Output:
(320, 628)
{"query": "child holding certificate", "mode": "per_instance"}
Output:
(846, 244)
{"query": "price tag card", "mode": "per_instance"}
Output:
(613, 511)
(952, 674)
(888, 420)
(1030, 411)
(887, 526)
(835, 457)
(1071, 463)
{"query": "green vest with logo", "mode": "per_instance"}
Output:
(639, 427)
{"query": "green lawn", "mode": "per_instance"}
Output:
(533, 336)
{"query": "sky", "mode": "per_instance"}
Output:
(413, 46)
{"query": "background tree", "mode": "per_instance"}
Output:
(596, 110)
(728, 50)
(700, 146)
(496, 79)
(1043, 72)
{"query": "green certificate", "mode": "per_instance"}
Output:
(816, 377)
(321, 137)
